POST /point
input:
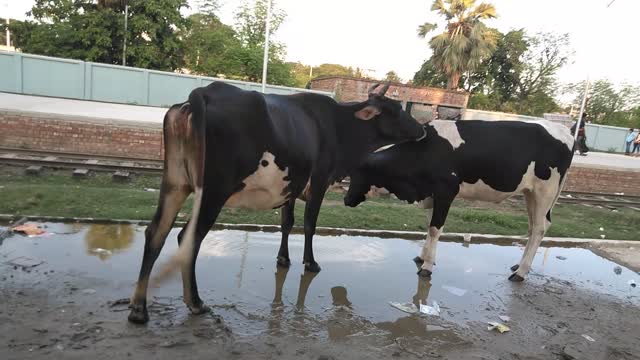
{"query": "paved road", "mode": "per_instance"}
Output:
(149, 114)
(91, 109)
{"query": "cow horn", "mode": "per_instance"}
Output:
(373, 87)
(384, 89)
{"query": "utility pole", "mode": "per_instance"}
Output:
(8, 34)
(584, 102)
(124, 45)
(266, 47)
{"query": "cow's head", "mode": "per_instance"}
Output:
(359, 186)
(392, 123)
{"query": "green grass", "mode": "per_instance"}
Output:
(57, 194)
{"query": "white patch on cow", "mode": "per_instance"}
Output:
(385, 147)
(263, 189)
(559, 132)
(449, 131)
(483, 192)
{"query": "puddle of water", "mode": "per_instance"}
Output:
(360, 276)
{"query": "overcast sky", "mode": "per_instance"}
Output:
(380, 35)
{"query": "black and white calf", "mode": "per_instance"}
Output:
(477, 160)
(236, 148)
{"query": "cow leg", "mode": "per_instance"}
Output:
(543, 199)
(209, 209)
(169, 203)
(286, 224)
(442, 199)
(311, 211)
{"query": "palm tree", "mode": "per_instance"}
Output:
(465, 43)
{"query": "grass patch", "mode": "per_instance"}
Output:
(55, 193)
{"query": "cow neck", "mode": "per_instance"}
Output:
(355, 138)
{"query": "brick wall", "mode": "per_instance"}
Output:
(144, 141)
(601, 180)
(80, 135)
(352, 89)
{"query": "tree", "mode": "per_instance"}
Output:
(428, 75)
(94, 31)
(465, 43)
(609, 104)
(392, 77)
(250, 29)
(546, 54)
(211, 47)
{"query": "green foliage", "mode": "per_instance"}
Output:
(519, 76)
(211, 47)
(90, 31)
(466, 41)
(250, 30)
(392, 77)
(609, 104)
(428, 75)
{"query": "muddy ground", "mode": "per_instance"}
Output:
(62, 294)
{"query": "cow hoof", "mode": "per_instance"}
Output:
(418, 261)
(424, 273)
(200, 309)
(516, 278)
(514, 268)
(138, 314)
(284, 262)
(312, 267)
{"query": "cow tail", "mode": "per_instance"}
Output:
(194, 166)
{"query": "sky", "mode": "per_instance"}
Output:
(380, 35)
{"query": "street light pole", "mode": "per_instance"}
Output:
(265, 60)
(124, 45)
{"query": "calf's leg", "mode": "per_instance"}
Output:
(311, 211)
(543, 199)
(286, 224)
(442, 199)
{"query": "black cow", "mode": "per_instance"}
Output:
(236, 148)
(477, 160)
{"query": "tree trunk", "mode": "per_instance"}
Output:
(452, 82)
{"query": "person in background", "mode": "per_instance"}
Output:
(631, 137)
(582, 135)
(636, 144)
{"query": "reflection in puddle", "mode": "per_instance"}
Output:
(350, 297)
(102, 240)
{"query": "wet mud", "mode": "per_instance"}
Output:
(64, 295)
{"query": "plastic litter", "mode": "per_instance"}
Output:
(150, 189)
(601, 229)
(502, 328)
(561, 258)
(430, 310)
(588, 337)
(408, 307)
(617, 270)
(602, 236)
(505, 318)
(454, 290)
(467, 238)
(28, 229)
(632, 283)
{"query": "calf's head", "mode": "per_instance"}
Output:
(392, 123)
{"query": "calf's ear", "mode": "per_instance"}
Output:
(367, 113)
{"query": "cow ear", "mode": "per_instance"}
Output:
(368, 112)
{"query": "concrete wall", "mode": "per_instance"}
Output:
(48, 76)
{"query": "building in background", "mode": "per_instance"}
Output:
(421, 102)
